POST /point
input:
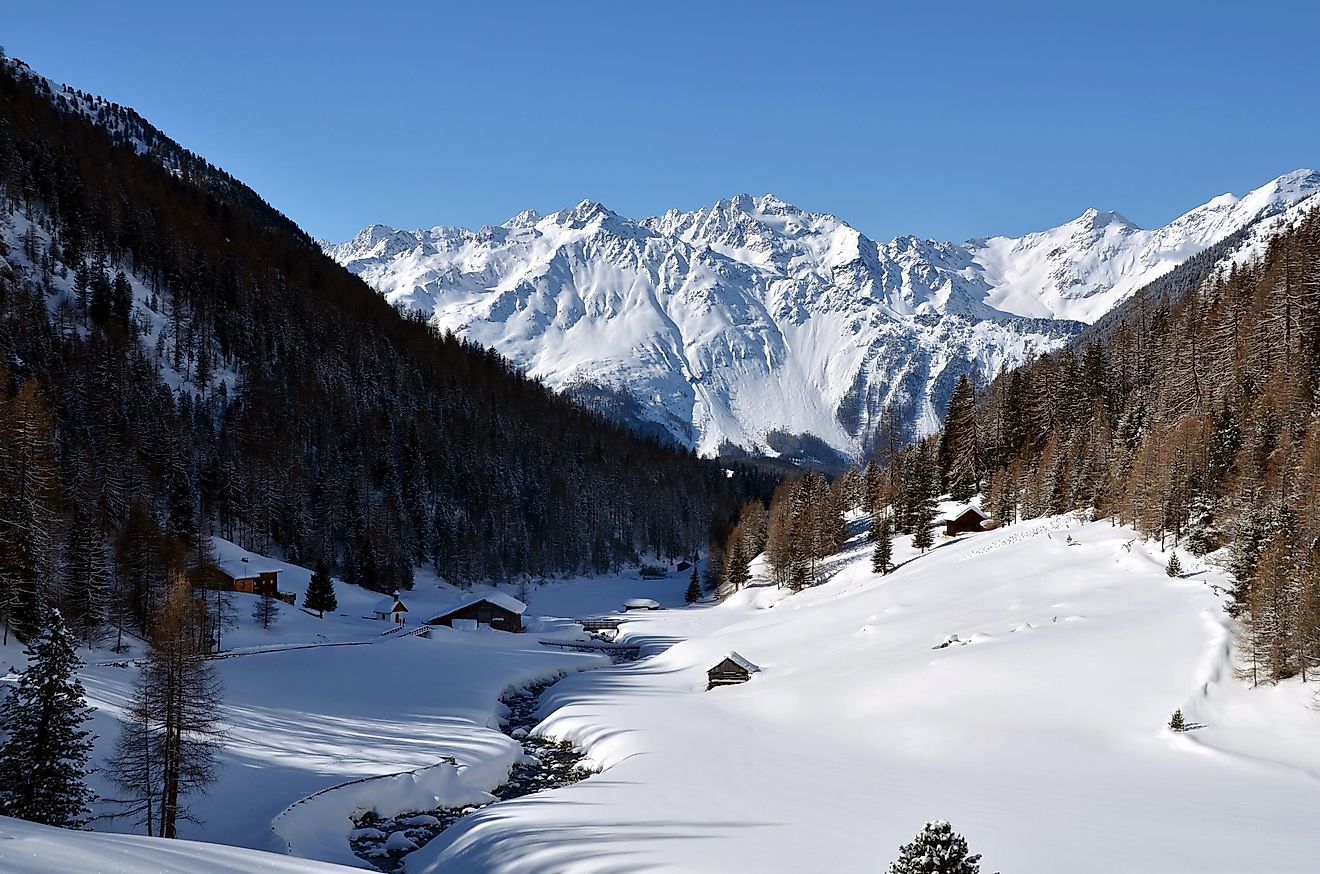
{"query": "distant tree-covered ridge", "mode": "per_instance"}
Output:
(178, 359)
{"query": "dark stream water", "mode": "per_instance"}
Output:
(386, 841)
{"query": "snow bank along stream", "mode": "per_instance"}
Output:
(545, 764)
(394, 815)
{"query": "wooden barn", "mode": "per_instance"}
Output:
(734, 669)
(495, 609)
(391, 609)
(242, 575)
(966, 522)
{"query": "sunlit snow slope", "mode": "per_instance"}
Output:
(1040, 732)
(34, 849)
(751, 321)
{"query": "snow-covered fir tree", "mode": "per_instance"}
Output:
(937, 849)
(44, 759)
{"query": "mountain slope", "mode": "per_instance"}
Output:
(177, 359)
(750, 322)
(1190, 413)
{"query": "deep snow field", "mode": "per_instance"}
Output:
(1040, 732)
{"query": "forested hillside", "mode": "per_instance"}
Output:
(1189, 413)
(1192, 417)
(178, 359)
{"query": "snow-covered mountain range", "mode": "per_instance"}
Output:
(753, 325)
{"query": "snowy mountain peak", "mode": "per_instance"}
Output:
(1095, 219)
(525, 219)
(585, 213)
(754, 324)
(594, 217)
(749, 205)
(383, 242)
(1277, 195)
(1298, 183)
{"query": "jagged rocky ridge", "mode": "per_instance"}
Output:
(755, 326)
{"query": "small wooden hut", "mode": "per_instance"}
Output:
(966, 522)
(734, 669)
(495, 609)
(249, 577)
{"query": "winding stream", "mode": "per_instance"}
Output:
(385, 842)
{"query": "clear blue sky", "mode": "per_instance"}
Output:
(946, 120)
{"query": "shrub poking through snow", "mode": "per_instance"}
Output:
(937, 849)
(1174, 567)
(1176, 723)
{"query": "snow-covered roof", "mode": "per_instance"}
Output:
(644, 603)
(949, 517)
(392, 604)
(237, 568)
(499, 599)
(742, 663)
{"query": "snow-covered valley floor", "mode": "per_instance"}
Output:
(1042, 735)
(1040, 732)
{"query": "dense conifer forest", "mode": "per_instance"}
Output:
(283, 404)
(1189, 413)
(1195, 422)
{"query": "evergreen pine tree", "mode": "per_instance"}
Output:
(693, 593)
(1176, 723)
(738, 573)
(937, 849)
(88, 580)
(44, 758)
(121, 298)
(959, 454)
(1174, 566)
(1247, 546)
(714, 570)
(321, 591)
(1202, 536)
(923, 516)
(882, 557)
